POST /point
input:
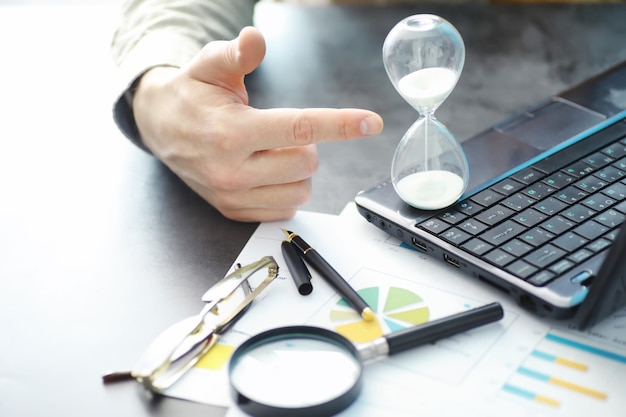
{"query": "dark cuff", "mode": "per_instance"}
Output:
(125, 118)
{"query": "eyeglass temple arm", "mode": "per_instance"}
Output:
(239, 276)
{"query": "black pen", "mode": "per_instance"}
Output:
(298, 270)
(331, 275)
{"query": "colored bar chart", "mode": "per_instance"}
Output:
(561, 382)
(563, 371)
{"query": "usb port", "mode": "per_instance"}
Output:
(419, 245)
(451, 260)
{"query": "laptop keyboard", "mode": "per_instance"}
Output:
(549, 217)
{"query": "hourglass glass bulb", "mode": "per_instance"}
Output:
(423, 57)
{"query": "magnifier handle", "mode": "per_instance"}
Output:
(444, 327)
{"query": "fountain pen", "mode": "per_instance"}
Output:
(315, 260)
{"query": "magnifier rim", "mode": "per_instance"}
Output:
(328, 408)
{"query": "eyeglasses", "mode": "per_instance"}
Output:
(181, 346)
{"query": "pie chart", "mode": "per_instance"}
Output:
(396, 309)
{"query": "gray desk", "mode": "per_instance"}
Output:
(102, 247)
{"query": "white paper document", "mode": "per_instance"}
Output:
(522, 365)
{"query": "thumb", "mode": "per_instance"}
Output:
(225, 63)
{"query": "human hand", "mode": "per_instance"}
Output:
(250, 164)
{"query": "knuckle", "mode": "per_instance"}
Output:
(223, 180)
(303, 193)
(343, 130)
(304, 130)
(310, 164)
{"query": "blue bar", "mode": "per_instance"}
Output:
(543, 355)
(586, 348)
(521, 392)
(533, 374)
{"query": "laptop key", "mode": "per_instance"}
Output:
(455, 236)
(536, 236)
(616, 190)
(557, 225)
(616, 150)
(570, 241)
(494, 215)
(591, 230)
(518, 201)
(516, 248)
(472, 226)
(599, 159)
(452, 217)
(599, 202)
(579, 169)
(434, 225)
(550, 206)
(578, 213)
(610, 174)
(580, 256)
(621, 207)
(502, 233)
(541, 278)
(529, 217)
(559, 180)
(621, 164)
(562, 266)
(598, 245)
(487, 198)
(499, 258)
(528, 175)
(521, 269)
(539, 190)
(507, 186)
(571, 195)
(612, 235)
(544, 256)
(610, 218)
(591, 184)
(477, 247)
(467, 207)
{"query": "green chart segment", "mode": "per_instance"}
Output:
(399, 309)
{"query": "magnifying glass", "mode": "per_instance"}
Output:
(311, 371)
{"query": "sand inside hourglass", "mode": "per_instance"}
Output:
(428, 87)
(431, 190)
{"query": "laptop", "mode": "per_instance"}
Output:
(545, 205)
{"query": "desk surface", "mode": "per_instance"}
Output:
(102, 246)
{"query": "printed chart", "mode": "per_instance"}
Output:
(396, 309)
(566, 373)
(401, 303)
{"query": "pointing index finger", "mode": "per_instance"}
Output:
(298, 127)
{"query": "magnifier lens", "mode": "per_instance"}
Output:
(299, 370)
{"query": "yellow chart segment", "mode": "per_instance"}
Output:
(396, 309)
(216, 357)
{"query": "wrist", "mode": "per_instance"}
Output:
(144, 100)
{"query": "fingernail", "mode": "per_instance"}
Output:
(371, 126)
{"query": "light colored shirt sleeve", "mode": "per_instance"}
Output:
(167, 32)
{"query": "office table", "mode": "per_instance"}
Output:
(102, 247)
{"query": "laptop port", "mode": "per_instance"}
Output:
(493, 284)
(451, 260)
(419, 245)
(528, 303)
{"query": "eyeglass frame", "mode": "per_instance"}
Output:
(187, 352)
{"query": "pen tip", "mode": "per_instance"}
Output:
(368, 314)
(289, 234)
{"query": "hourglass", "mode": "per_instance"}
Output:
(424, 56)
